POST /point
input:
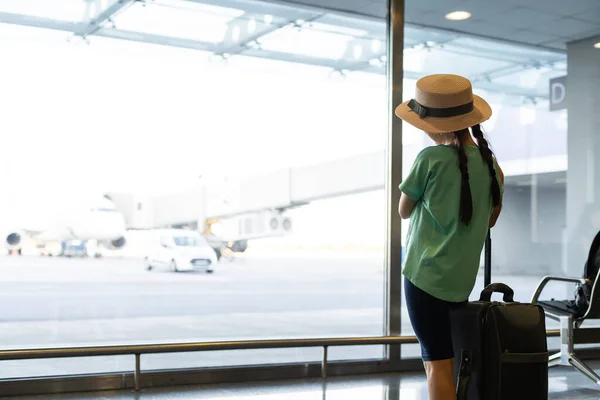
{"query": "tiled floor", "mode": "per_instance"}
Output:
(564, 383)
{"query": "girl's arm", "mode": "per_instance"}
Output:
(406, 206)
(413, 187)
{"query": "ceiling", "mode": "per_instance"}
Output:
(546, 23)
(342, 36)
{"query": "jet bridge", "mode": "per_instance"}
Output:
(254, 206)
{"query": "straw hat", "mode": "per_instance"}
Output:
(444, 103)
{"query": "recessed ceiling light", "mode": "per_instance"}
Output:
(597, 45)
(458, 15)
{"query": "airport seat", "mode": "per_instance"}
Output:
(571, 314)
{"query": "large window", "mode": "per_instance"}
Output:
(529, 138)
(263, 128)
(181, 171)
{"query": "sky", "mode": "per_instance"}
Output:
(79, 120)
(118, 112)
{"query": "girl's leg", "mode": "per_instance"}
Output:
(430, 318)
(440, 380)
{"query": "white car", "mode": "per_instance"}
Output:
(180, 250)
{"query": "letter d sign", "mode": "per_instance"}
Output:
(558, 93)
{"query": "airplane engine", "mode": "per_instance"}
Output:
(13, 240)
(116, 244)
(239, 246)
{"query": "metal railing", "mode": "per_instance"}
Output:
(138, 350)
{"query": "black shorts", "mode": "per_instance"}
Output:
(430, 319)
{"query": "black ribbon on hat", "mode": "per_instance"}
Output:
(440, 112)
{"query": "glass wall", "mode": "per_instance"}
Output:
(547, 223)
(196, 172)
(233, 123)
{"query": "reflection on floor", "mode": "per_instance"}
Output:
(564, 383)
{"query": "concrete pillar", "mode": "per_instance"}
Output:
(583, 174)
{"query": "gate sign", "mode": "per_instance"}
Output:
(558, 93)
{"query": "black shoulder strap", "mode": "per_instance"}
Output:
(464, 374)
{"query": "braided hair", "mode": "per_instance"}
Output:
(488, 157)
(466, 201)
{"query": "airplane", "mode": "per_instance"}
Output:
(96, 219)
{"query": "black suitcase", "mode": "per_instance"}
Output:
(501, 351)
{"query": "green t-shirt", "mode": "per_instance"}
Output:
(443, 254)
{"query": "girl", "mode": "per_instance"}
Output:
(452, 195)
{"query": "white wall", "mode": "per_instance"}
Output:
(583, 190)
(528, 238)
